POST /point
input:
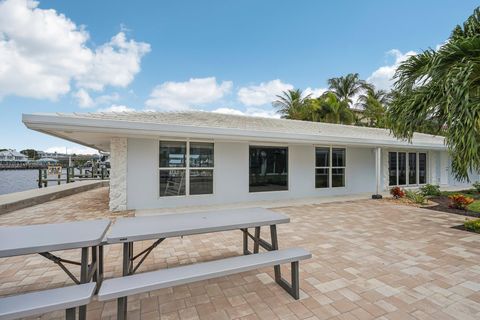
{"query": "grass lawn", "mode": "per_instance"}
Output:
(475, 206)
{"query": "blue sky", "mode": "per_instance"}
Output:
(228, 56)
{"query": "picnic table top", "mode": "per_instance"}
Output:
(174, 225)
(21, 240)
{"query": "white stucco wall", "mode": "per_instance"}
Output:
(231, 175)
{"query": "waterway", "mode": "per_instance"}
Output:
(21, 180)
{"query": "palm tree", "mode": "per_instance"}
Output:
(292, 104)
(345, 88)
(374, 106)
(442, 87)
(333, 110)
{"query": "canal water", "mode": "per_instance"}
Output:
(21, 180)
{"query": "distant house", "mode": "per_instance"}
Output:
(201, 158)
(48, 161)
(12, 157)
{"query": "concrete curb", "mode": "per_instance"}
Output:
(19, 200)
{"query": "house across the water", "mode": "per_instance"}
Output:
(172, 159)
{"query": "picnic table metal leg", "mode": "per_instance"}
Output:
(100, 264)
(295, 280)
(273, 235)
(82, 310)
(245, 242)
(256, 243)
(122, 302)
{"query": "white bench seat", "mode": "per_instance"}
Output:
(149, 281)
(40, 302)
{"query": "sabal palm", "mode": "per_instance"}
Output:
(291, 104)
(346, 87)
(443, 87)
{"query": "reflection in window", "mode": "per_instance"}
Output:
(422, 168)
(338, 177)
(392, 168)
(176, 173)
(322, 178)
(172, 183)
(201, 154)
(201, 181)
(268, 169)
(416, 171)
(412, 168)
(172, 154)
(402, 168)
(338, 167)
(330, 173)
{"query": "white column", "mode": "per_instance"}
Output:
(118, 174)
(378, 170)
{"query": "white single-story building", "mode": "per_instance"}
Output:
(172, 159)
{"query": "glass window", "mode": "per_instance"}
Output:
(201, 181)
(172, 154)
(176, 173)
(338, 157)
(268, 169)
(412, 168)
(201, 155)
(402, 168)
(322, 156)
(392, 168)
(330, 173)
(422, 168)
(172, 183)
(338, 177)
(322, 178)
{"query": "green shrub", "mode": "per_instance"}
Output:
(476, 185)
(415, 196)
(472, 225)
(430, 190)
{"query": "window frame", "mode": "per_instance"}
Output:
(187, 167)
(407, 168)
(269, 145)
(330, 166)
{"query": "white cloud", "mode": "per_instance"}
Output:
(314, 92)
(253, 112)
(85, 100)
(72, 150)
(173, 96)
(115, 63)
(42, 52)
(382, 77)
(116, 108)
(264, 93)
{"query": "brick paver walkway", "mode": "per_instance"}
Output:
(371, 260)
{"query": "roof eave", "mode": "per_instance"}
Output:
(54, 125)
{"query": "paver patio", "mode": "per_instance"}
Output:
(371, 260)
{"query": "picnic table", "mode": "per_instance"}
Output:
(45, 238)
(161, 227)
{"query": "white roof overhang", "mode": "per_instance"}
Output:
(96, 133)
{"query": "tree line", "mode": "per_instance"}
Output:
(436, 91)
(348, 100)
